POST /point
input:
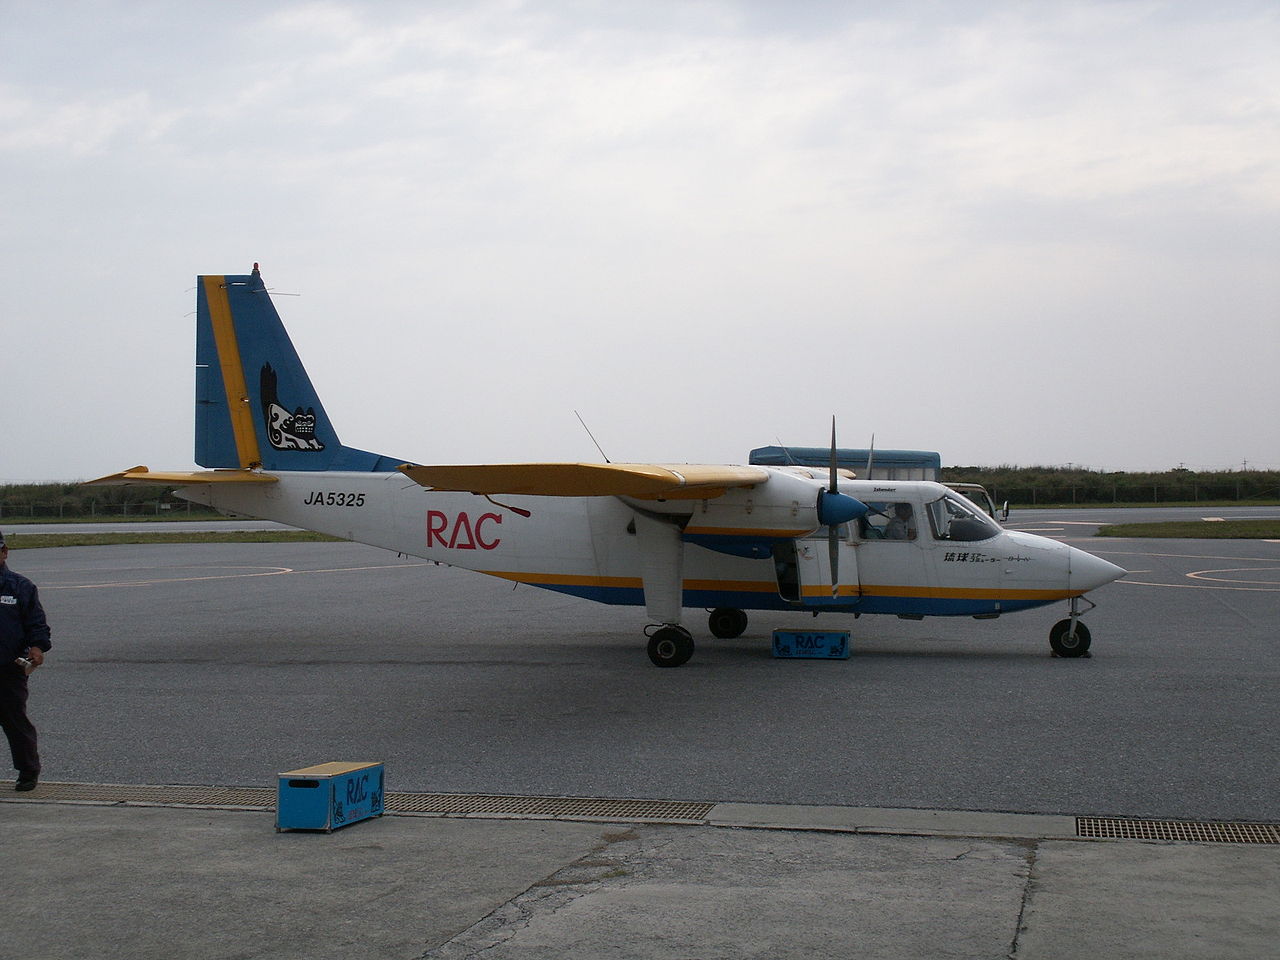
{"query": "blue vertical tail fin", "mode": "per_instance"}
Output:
(255, 405)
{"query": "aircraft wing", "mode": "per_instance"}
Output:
(140, 476)
(643, 481)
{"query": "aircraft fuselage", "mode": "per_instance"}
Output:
(589, 547)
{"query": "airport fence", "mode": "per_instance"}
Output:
(91, 509)
(1144, 493)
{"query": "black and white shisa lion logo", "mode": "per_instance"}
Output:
(285, 430)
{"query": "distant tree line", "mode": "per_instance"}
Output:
(1041, 486)
(1021, 486)
(53, 501)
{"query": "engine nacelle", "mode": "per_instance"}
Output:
(784, 508)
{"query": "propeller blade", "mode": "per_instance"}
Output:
(835, 508)
(834, 477)
(833, 530)
(833, 550)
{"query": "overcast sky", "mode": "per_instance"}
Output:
(1011, 232)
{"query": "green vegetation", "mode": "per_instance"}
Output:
(1021, 486)
(19, 541)
(1068, 486)
(74, 502)
(1197, 530)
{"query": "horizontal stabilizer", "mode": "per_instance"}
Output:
(139, 476)
(644, 481)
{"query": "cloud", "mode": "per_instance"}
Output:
(710, 222)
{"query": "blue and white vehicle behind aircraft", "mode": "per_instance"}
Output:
(667, 537)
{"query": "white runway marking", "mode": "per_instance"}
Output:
(257, 572)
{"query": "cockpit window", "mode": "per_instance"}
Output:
(888, 521)
(956, 518)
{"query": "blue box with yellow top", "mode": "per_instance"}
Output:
(329, 795)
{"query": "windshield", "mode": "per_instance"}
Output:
(957, 518)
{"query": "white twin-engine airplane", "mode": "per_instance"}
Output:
(665, 536)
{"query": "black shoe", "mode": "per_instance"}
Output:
(26, 781)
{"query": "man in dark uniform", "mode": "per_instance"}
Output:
(24, 640)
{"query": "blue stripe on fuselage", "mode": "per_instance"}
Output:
(751, 600)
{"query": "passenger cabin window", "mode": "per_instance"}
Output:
(958, 519)
(888, 521)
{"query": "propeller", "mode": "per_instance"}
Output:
(833, 530)
(835, 508)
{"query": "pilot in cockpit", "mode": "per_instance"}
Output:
(901, 525)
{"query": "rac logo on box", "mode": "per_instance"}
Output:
(358, 790)
(461, 532)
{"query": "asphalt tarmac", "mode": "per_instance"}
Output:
(227, 663)
(838, 790)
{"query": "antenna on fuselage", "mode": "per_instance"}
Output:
(592, 436)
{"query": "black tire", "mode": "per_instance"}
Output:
(727, 622)
(670, 647)
(1066, 643)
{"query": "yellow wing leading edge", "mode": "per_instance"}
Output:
(140, 476)
(642, 481)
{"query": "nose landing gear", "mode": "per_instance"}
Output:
(1070, 637)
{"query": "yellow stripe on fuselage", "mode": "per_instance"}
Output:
(233, 382)
(824, 590)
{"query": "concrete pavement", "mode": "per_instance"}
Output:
(88, 880)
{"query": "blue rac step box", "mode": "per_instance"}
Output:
(328, 796)
(811, 644)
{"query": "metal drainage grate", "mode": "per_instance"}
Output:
(567, 808)
(1199, 832)
(439, 804)
(195, 796)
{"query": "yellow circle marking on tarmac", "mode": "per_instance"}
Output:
(1204, 575)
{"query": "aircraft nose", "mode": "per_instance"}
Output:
(1087, 572)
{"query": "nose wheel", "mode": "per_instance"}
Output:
(1070, 637)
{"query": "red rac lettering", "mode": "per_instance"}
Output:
(460, 533)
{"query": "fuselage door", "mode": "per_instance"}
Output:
(803, 568)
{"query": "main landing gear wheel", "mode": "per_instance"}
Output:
(1069, 638)
(727, 622)
(670, 647)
